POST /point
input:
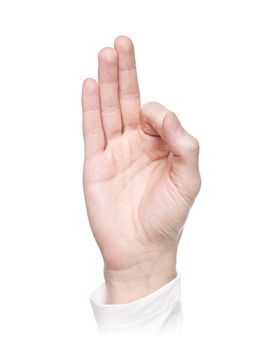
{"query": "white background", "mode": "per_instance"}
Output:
(203, 59)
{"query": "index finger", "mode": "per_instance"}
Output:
(129, 93)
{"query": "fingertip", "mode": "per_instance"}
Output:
(123, 43)
(90, 85)
(107, 54)
(90, 94)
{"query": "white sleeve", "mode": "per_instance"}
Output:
(158, 312)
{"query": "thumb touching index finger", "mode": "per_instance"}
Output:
(184, 148)
(157, 120)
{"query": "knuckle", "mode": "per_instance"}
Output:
(193, 144)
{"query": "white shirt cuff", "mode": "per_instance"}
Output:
(159, 311)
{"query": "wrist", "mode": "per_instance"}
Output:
(139, 280)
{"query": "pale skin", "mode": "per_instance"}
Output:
(140, 177)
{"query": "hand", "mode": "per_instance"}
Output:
(140, 177)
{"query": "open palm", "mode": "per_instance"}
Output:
(141, 167)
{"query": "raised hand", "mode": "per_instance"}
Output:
(140, 177)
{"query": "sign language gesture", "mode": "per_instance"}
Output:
(140, 177)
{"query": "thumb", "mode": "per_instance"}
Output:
(184, 148)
